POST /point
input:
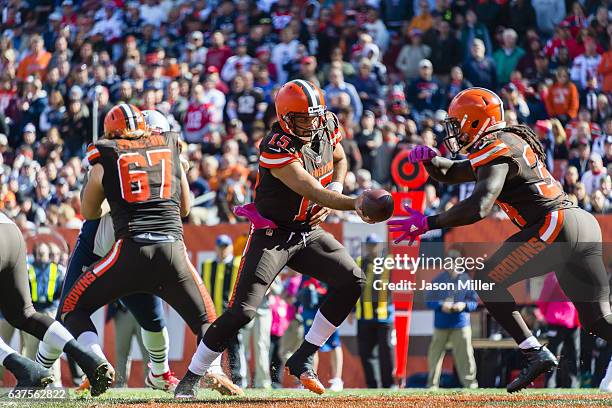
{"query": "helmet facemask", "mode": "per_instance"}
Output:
(306, 134)
(459, 141)
(455, 140)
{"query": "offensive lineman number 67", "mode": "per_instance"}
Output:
(134, 182)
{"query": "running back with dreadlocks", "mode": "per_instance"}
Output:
(529, 190)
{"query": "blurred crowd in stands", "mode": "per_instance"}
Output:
(388, 69)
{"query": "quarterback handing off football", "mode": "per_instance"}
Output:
(378, 205)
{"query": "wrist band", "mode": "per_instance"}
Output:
(335, 186)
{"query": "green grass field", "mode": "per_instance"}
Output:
(140, 398)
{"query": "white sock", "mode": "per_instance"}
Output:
(157, 345)
(47, 354)
(609, 370)
(202, 359)
(529, 342)
(89, 340)
(57, 336)
(215, 366)
(5, 351)
(320, 330)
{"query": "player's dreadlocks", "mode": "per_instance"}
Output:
(528, 135)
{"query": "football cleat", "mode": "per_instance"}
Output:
(222, 384)
(28, 373)
(84, 387)
(302, 368)
(164, 382)
(188, 386)
(539, 361)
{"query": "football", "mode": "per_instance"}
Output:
(378, 205)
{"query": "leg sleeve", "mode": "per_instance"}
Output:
(263, 258)
(325, 259)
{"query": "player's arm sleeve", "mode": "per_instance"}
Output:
(490, 181)
(450, 171)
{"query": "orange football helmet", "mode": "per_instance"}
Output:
(125, 121)
(300, 99)
(472, 112)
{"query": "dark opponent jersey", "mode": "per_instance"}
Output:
(142, 183)
(273, 199)
(529, 193)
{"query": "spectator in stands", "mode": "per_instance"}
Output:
(424, 92)
(561, 150)
(367, 86)
(592, 178)
(445, 50)
(582, 197)
(284, 52)
(338, 86)
(521, 16)
(581, 161)
(549, 13)
(452, 323)
(199, 116)
(585, 65)
(562, 101)
(369, 139)
(410, 55)
(479, 69)
(607, 158)
(377, 29)
(36, 62)
(456, 84)
(543, 130)
(514, 101)
(570, 180)
(605, 69)
(600, 204)
(473, 30)
(508, 56)
(423, 19)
